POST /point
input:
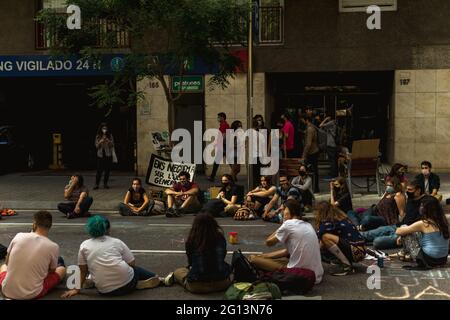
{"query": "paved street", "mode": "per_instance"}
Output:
(158, 244)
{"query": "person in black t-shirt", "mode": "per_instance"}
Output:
(229, 195)
(136, 202)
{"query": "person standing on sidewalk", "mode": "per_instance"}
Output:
(311, 150)
(104, 144)
(222, 118)
(288, 137)
(329, 126)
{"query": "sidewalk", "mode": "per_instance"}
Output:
(35, 191)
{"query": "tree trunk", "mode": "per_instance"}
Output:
(170, 104)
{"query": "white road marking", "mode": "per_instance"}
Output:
(222, 225)
(180, 252)
(58, 224)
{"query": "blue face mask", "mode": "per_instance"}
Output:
(390, 189)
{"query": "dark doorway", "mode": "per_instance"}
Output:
(43, 106)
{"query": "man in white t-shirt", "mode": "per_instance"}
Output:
(110, 263)
(300, 239)
(32, 266)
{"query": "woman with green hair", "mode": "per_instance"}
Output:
(110, 263)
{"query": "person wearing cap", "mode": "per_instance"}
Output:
(302, 245)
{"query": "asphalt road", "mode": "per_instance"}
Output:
(158, 244)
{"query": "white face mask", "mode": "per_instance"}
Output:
(136, 188)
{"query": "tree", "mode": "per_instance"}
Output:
(165, 36)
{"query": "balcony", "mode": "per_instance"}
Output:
(271, 25)
(106, 35)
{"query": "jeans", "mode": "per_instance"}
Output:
(125, 210)
(69, 207)
(139, 274)
(103, 165)
(368, 220)
(382, 237)
(312, 160)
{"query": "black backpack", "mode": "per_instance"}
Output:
(3, 252)
(243, 270)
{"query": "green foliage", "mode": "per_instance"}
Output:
(164, 34)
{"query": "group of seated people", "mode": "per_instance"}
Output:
(408, 216)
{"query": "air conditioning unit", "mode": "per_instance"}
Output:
(361, 5)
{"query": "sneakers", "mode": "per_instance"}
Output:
(168, 280)
(149, 283)
(343, 270)
(170, 213)
(175, 213)
(72, 215)
(61, 262)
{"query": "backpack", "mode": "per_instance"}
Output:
(255, 291)
(159, 207)
(296, 281)
(245, 213)
(3, 252)
(243, 270)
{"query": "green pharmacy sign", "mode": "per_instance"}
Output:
(188, 84)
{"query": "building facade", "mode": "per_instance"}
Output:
(395, 80)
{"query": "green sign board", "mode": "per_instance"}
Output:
(188, 84)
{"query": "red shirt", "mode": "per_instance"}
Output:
(178, 187)
(288, 129)
(224, 126)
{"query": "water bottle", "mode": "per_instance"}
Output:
(207, 195)
(380, 262)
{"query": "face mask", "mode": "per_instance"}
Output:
(136, 189)
(225, 184)
(302, 173)
(104, 131)
(390, 189)
(426, 172)
(410, 195)
(185, 183)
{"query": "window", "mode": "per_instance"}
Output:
(271, 21)
(106, 32)
(361, 5)
(58, 5)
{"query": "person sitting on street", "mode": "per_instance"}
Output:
(398, 171)
(110, 263)
(384, 237)
(427, 240)
(339, 236)
(32, 268)
(340, 195)
(78, 198)
(229, 195)
(429, 181)
(206, 250)
(182, 197)
(262, 194)
(389, 210)
(304, 183)
(136, 202)
(302, 245)
(273, 211)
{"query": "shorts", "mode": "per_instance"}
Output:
(50, 282)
